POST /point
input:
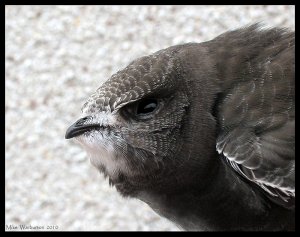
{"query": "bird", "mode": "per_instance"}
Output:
(204, 133)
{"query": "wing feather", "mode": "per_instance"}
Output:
(257, 118)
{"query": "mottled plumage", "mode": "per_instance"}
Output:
(202, 132)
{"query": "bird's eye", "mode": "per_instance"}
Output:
(143, 109)
(146, 106)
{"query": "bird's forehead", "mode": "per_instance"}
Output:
(139, 79)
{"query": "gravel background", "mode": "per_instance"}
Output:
(55, 57)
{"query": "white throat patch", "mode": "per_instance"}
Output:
(101, 145)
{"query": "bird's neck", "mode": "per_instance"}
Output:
(226, 203)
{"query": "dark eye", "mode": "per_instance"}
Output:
(143, 109)
(146, 106)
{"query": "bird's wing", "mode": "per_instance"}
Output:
(266, 159)
(257, 122)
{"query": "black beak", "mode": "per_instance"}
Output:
(79, 128)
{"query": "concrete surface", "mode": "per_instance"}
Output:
(55, 57)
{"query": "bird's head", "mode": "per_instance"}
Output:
(136, 125)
